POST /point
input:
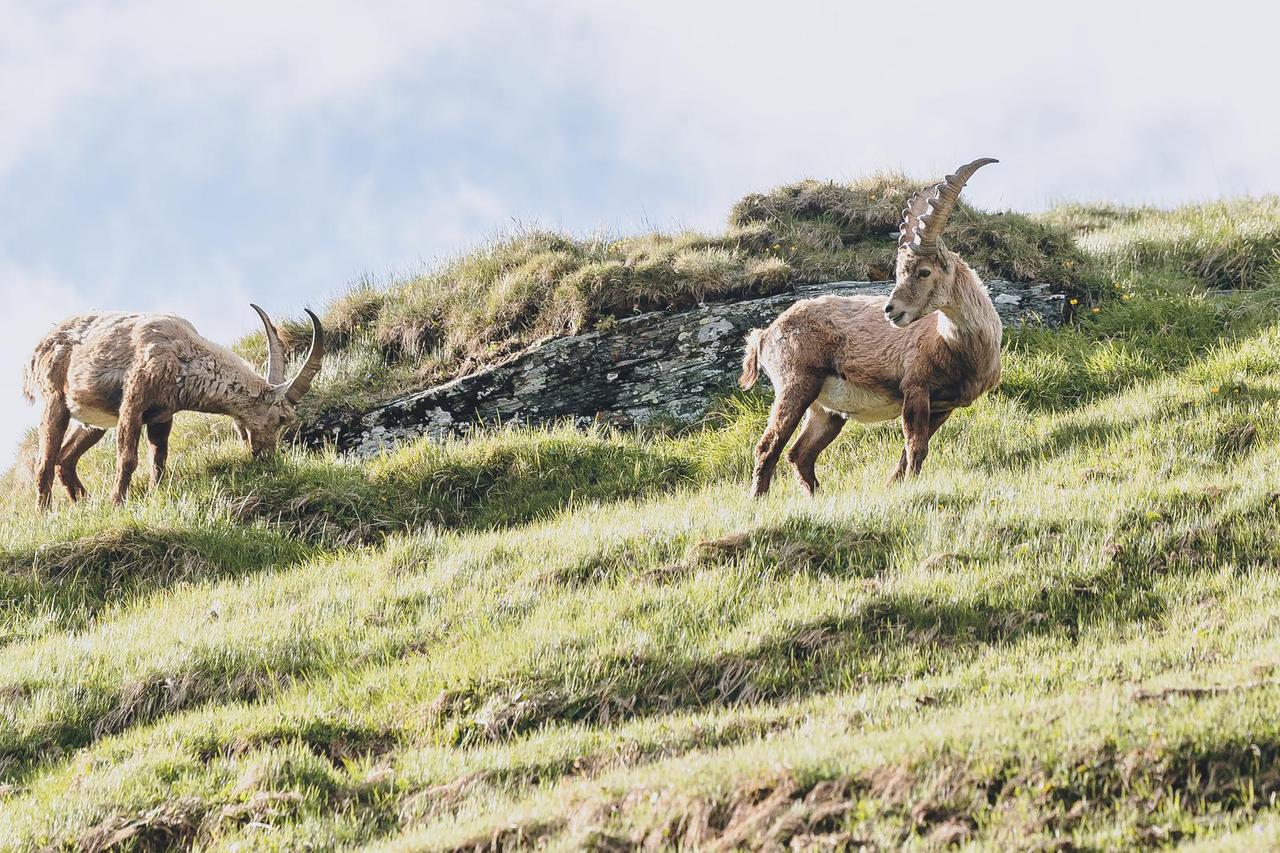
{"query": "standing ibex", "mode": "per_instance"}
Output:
(126, 370)
(931, 347)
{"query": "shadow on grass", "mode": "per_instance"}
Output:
(63, 584)
(310, 505)
(1061, 440)
(796, 545)
(1211, 424)
(874, 641)
(883, 635)
(1171, 533)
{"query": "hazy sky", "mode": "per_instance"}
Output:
(194, 157)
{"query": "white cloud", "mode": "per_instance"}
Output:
(1130, 101)
(279, 58)
(1137, 100)
(447, 212)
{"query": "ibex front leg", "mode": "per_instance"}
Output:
(919, 424)
(158, 438)
(128, 431)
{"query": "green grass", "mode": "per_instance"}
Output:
(1228, 244)
(1064, 634)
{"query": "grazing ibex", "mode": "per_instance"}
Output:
(126, 370)
(932, 346)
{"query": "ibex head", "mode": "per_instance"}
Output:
(274, 411)
(925, 269)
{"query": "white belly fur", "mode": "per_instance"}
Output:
(861, 404)
(95, 417)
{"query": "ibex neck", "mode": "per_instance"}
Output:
(971, 319)
(225, 384)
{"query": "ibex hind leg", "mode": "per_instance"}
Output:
(53, 425)
(793, 399)
(820, 429)
(77, 444)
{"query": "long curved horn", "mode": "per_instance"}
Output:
(301, 382)
(942, 201)
(275, 352)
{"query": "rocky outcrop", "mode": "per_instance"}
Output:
(651, 367)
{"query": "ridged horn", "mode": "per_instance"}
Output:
(301, 382)
(916, 205)
(275, 352)
(941, 201)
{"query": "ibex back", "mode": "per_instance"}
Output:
(129, 370)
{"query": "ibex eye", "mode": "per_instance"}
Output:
(923, 273)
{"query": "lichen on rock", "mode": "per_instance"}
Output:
(651, 367)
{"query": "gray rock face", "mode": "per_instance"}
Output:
(655, 366)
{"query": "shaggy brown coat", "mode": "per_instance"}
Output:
(120, 370)
(929, 348)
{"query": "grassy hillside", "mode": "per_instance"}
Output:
(1063, 635)
(498, 299)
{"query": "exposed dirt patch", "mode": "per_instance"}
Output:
(522, 836)
(773, 814)
(796, 545)
(806, 545)
(436, 800)
(336, 743)
(945, 801)
(143, 701)
(168, 826)
(1200, 691)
